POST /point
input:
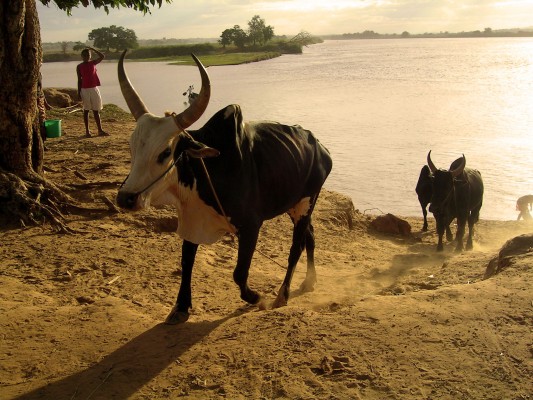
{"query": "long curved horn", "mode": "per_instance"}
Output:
(459, 170)
(134, 102)
(190, 115)
(430, 163)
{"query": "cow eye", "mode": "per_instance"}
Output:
(164, 155)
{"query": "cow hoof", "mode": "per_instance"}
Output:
(176, 317)
(279, 304)
(251, 297)
(262, 304)
(307, 286)
(280, 301)
(440, 248)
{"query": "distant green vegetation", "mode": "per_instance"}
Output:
(210, 53)
(258, 33)
(161, 52)
(113, 37)
(226, 58)
(487, 32)
(235, 46)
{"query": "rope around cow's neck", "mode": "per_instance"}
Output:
(230, 228)
(452, 191)
(154, 182)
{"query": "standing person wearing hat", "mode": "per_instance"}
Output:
(88, 91)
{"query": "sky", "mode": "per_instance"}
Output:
(183, 19)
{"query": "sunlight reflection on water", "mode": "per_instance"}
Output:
(379, 106)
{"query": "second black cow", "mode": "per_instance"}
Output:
(424, 191)
(457, 193)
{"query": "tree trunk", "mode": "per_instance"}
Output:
(21, 149)
(25, 195)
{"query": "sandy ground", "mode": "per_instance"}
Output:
(389, 318)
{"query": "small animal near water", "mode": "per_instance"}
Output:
(191, 95)
(228, 176)
(457, 193)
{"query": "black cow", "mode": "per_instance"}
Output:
(457, 193)
(424, 190)
(253, 171)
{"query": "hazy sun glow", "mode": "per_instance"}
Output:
(208, 18)
(312, 5)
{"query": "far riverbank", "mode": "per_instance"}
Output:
(212, 54)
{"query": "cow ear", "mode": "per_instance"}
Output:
(203, 152)
(194, 148)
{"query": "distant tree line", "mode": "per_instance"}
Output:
(257, 34)
(114, 37)
(118, 38)
(487, 32)
(69, 46)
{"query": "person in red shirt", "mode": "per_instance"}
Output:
(88, 91)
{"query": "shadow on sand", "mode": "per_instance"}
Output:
(123, 372)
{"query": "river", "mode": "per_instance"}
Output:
(379, 106)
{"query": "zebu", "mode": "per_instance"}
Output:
(228, 176)
(457, 193)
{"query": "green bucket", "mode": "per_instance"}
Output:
(53, 128)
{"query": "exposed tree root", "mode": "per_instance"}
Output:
(93, 185)
(31, 201)
(35, 200)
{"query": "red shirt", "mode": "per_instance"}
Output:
(89, 77)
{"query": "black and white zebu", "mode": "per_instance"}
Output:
(254, 171)
(457, 193)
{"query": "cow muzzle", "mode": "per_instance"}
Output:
(128, 201)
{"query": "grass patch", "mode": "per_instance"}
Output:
(110, 112)
(208, 59)
(219, 59)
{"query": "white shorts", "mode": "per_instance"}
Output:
(91, 99)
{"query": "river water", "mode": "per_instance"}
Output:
(379, 106)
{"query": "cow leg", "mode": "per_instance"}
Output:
(461, 222)
(472, 219)
(469, 243)
(440, 246)
(440, 232)
(308, 285)
(247, 242)
(449, 234)
(425, 214)
(180, 311)
(299, 239)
